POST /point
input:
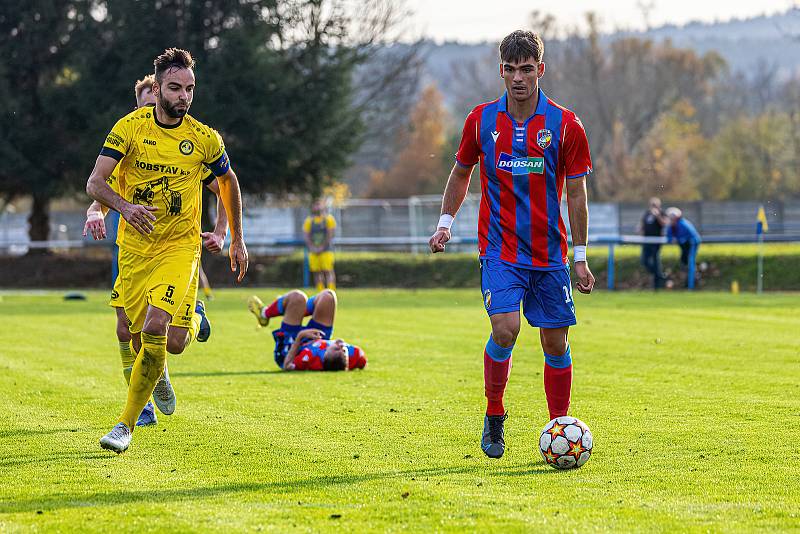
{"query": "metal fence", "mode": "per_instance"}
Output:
(405, 224)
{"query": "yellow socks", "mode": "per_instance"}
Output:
(146, 371)
(128, 357)
(194, 328)
(332, 286)
(320, 286)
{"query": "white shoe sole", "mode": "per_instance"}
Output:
(165, 407)
(110, 446)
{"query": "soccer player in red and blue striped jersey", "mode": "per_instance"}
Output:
(528, 148)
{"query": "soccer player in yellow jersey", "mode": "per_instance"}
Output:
(162, 153)
(191, 323)
(318, 230)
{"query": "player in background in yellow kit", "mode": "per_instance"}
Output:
(184, 328)
(205, 285)
(162, 154)
(318, 231)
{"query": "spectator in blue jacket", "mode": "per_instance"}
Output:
(683, 232)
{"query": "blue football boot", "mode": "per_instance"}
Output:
(205, 325)
(148, 416)
(492, 441)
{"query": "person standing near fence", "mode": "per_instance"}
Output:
(652, 225)
(318, 231)
(683, 232)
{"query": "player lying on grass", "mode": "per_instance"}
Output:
(192, 323)
(307, 347)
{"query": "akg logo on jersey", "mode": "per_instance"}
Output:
(520, 166)
(544, 137)
(186, 147)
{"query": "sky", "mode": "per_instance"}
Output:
(479, 20)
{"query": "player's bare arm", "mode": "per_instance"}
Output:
(302, 337)
(138, 216)
(578, 208)
(231, 198)
(95, 221)
(454, 194)
(215, 241)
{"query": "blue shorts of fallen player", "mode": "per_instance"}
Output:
(286, 334)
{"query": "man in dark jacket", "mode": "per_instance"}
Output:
(652, 225)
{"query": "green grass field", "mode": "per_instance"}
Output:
(693, 399)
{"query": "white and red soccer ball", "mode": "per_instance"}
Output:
(565, 443)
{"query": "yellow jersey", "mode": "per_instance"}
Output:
(163, 166)
(317, 227)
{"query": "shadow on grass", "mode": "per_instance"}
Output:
(277, 488)
(224, 373)
(25, 432)
(12, 461)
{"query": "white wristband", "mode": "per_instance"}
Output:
(579, 253)
(445, 221)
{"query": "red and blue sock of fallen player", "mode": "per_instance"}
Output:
(496, 370)
(558, 382)
(277, 309)
(273, 310)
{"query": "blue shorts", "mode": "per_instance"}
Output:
(546, 296)
(285, 335)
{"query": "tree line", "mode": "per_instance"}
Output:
(308, 94)
(280, 79)
(661, 120)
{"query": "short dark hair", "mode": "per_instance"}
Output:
(334, 363)
(520, 45)
(172, 58)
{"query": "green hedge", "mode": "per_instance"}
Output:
(722, 264)
(719, 266)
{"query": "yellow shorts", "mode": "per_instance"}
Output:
(116, 299)
(185, 311)
(320, 262)
(163, 281)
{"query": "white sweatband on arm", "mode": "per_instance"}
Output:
(445, 221)
(579, 253)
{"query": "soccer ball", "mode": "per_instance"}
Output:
(565, 443)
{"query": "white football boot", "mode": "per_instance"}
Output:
(118, 439)
(164, 395)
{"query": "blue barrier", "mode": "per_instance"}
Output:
(614, 241)
(611, 241)
(306, 270)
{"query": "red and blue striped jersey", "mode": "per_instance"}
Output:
(523, 169)
(312, 355)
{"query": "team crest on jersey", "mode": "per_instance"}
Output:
(544, 137)
(186, 147)
(487, 299)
